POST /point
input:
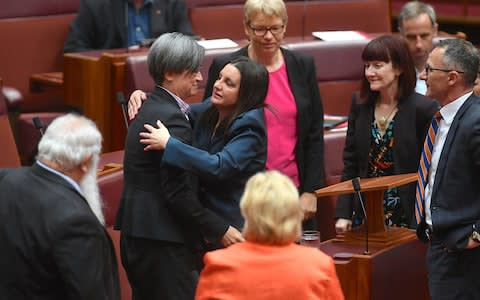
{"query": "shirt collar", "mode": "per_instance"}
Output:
(182, 104)
(450, 110)
(68, 179)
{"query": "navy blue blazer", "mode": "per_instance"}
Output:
(102, 24)
(222, 163)
(455, 204)
(303, 82)
(412, 121)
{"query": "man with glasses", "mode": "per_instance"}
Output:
(418, 26)
(450, 220)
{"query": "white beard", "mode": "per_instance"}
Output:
(91, 192)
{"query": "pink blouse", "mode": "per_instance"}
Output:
(281, 121)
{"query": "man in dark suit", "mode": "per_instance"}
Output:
(108, 24)
(161, 219)
(450, 219)
(53, 242)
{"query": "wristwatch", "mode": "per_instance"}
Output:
(475, 233)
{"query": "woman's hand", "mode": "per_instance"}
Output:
(343, 225)
(232, 236)
(135, 102)
(308, 204)
(155, 138)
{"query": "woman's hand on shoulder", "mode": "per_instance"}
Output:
(155, 138)
(135, 102)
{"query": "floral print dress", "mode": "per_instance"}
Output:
(381, 163)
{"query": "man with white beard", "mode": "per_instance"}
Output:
(53, 244)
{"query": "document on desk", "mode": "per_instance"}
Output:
(217, 44)
(343, 35)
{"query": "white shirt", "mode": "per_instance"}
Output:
(448, 114)
(421, 86)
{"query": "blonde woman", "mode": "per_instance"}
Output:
(269, 265)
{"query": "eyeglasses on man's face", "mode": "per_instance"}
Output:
(429, 69)
(262, 31)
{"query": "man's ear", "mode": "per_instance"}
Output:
(86, 163)
(169, 76)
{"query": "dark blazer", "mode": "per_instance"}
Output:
(102, 24)
(456, 190)
(303, 82)
(223, 163)
(52, 245)
(158, 202)
(412, 121)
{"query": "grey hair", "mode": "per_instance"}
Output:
(462, 56)
(68, 140)
(414, 9)
(173, 52)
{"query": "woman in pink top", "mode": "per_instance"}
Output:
(269, 265)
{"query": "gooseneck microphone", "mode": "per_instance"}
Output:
(358, 194)
(124, 106)
(38, 124)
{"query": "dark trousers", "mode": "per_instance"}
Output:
(158, 269)
(453, 275)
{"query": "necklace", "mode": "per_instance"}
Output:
(383, 121)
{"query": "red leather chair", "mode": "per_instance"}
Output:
(339, 69)
(111, 187)
(9, 157)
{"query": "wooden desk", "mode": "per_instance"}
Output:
(395, 265)
(91, 80)
(396, 272)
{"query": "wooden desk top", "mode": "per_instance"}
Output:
(367, 184)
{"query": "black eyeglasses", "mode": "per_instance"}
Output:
(262, 31)
(429, 69)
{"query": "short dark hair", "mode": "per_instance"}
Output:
(173, 52)
(463, 56)
(388, 48)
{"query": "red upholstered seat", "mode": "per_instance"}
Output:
(9, 157)
(334, 144)
(339, 68)
(111, 187)
(28, 136)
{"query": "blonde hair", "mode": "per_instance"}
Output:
(268, 7)
(271, 208)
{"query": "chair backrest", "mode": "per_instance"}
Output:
(333, 168)
(9, 157)
(372, 16)
(339, 68)
(33, 33)
(111, 187)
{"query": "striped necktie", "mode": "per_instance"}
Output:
(424, 167)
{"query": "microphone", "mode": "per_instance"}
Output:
(38, 124)
(358, 194)
(123, 104)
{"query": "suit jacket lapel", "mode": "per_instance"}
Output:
(364, 134)
(448, 144)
